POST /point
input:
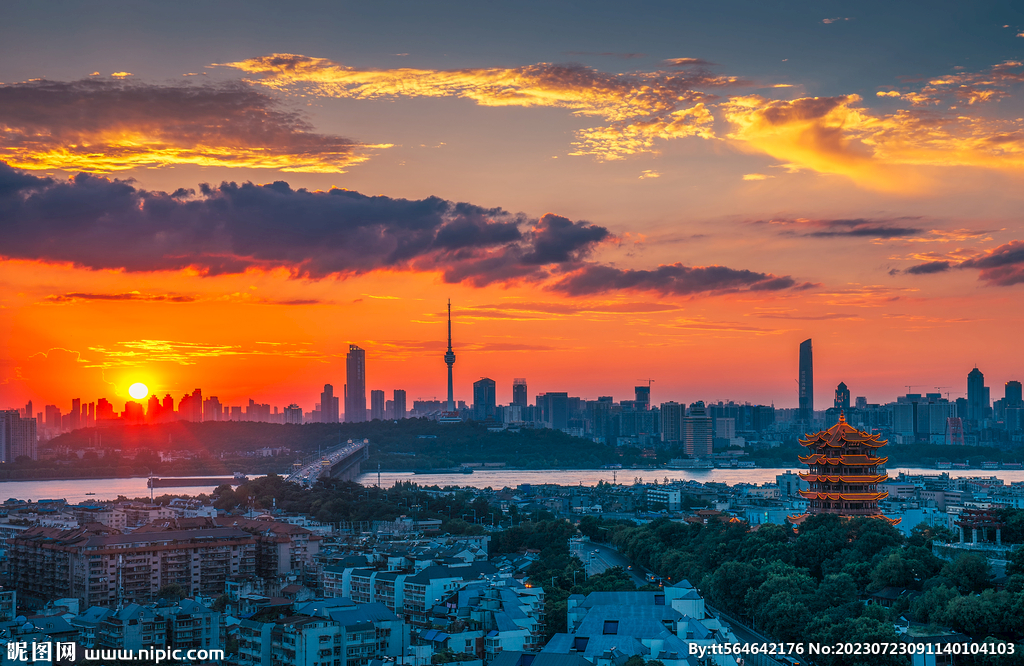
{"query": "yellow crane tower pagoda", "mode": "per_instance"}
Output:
(843, 473)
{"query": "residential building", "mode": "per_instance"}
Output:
(355, 387)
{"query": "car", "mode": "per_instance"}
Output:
(629, 568)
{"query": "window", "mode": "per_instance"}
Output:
(611, 627)
(580, 644)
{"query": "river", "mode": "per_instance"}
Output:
(84, 490)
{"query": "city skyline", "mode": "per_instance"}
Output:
(681, 194)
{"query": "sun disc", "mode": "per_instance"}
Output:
(138, 390)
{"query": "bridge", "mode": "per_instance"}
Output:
(338, 462)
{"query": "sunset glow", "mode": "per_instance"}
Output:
(668, 195)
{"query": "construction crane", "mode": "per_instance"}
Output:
(912, 386)
(939, 389)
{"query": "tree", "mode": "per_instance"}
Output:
(172, 592)
(968, 572)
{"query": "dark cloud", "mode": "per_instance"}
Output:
(674, 279)
(929, 267)
(1002, 266)
(855, 227)
(99, 223)
(101, 125)
(557, 240)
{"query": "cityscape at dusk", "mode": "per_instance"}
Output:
(512, 334)
(681, 202)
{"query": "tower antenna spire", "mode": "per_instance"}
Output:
(449, 358)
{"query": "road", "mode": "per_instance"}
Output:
(600, 557)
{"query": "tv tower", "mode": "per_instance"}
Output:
(449, 358)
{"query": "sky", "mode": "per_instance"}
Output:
(227, 195)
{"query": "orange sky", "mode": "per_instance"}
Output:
(662, 218)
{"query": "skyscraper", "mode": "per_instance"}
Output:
(329, 405)
(449, 358)
(355, 392)
(977, 396)
(806, 413)
(376, 405)
(519, 396)
(672, 414)
(842, 397)
(483, 399)
(1012, 394)
(399, 404)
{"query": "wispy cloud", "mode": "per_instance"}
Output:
(100, 125)
(638, 108)
(141, 352)
(73, 297)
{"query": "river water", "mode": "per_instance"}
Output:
(84, 490)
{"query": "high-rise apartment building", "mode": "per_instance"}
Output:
(328, 405)
(212, 409)
(17, 436)
(293, 414)
(76, 413)
(399, 399)
(672, 414)
(698, 434)
(484, 401)
(355, 387)
(643, 398)
(806, 403)
(554, 409)
(376, 405)
(978, 402)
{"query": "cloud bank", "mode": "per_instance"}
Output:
(99, 223)
(99, 125)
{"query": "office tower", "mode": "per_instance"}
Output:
(519, 396)
(806, 413)
(554, 409)
(862, 402)
(1011, 395)
(399, 404)
(17, 436)
(672, 422)
(842, 397)
(484, 400)
(212, 409)
(293, 414)
(355, 387)
(977, 396)
(698, 436)
(329, 405)
(449, 359)
(76, 413)
(28, 413)
(376, 405)
(643, 398)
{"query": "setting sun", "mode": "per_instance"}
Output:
(138, 390)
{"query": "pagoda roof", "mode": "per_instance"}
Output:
(845, 459)
(842, 434)
(797, 520)
(849, 497)
(845, 478)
